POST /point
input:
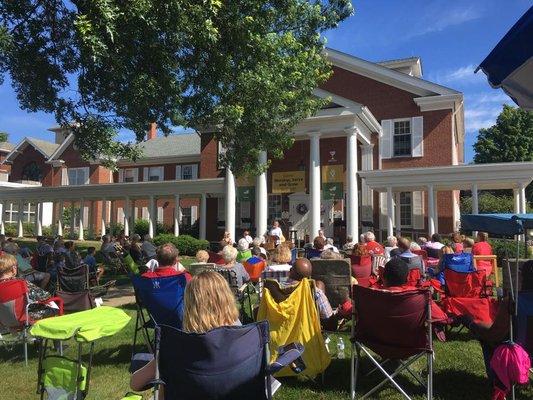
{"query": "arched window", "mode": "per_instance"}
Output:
(32, 172)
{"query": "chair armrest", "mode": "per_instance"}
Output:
(57, 300)
(286, 357)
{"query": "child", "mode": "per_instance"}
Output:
(94, 269)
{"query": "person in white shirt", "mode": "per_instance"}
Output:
(392, 243)
(276, 231)
(329, 246)
(246, 235)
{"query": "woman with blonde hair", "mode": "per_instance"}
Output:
(280, 258)
(208, 304)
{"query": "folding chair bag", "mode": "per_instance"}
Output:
(336, 275)
(59, 377)
(13, 303)
(295, 319)
(224, 363)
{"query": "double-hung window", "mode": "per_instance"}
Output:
(406, 209)
(274, 206)
(402, 138)
(130, 175)
(153, 174)
(77, 176)
(187, 172)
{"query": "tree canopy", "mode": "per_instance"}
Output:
(244, 69)
(4, 136)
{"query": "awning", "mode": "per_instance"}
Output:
(510, 64)
(497, 224)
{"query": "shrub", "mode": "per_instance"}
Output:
(499, 246)
(141, 227)
(187, 245)
(116, 229)
(10, 229)
(48, 231)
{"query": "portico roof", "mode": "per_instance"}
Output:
(453, 177)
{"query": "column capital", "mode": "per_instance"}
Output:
(351, 130)
(314, 134)
(367, 147)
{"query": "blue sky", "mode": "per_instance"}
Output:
(451, 37)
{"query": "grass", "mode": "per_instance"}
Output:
(459, 373)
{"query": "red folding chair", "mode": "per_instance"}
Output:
(469, 293)
(394, 326)
(14, 309)
(215, 258)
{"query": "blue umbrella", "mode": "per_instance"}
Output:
(510, 64)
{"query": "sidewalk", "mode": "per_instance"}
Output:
(119, 296)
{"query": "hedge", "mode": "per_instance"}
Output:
(186, 245)
(499, 246)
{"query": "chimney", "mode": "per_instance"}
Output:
(152, 131)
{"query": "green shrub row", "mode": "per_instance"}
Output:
(186, 245)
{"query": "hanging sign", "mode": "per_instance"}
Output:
(333, 191)
(332, 173)
(288, 182)
(246, 193)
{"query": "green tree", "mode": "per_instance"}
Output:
(509, 140)
(4, 136)
(245, 69)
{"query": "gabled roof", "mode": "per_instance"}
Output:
(386, 75)
(185, 144)
(62, 147)
(42, 146)
(411, 65)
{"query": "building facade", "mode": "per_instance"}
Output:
(380, 116)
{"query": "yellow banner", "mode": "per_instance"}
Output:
(288, 182)
(333, 173)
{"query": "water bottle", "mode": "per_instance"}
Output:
(340, 348)
(326, 342)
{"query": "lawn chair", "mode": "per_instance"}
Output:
(68, 378)
(493, 260)
(293, 317)
(395, 326)
(215, 258)
(14, 312)
(196, 268)
(279, 276)
(226, 363)
(378, 261)
(241, 293)
(73, 288)
(336, 275)
(311, 252)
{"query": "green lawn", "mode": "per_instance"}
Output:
(459, 373)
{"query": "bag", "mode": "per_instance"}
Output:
(511, 364)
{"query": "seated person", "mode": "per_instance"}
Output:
(318, 246)
(255, 265)
(490, 335)
(258, 242)
(468, 244)
(280, 258)
(373, 247)
(415, 246)
(457, 242)
(226, 240)
(135, 249)
(483, 248)
(9, 270)
(243, 250)
(148, 248)
(433, 247)
(108, 248)
(90, 260)
(349, 244)
(72, 257)
(392, 243)
(246, 235)
(229, 253)
(24, 269)
(329, 254)
(202, 257)
(330, 246)
(168, 264)
(422, 241)
(209, 304)
(413, 261)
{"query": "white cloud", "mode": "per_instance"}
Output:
(461, 75)
(482, 109)
(440, 16)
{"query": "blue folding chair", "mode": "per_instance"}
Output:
(461, 262)
(524, 321)
(225, 363)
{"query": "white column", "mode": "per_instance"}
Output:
(90, 222)
(367, 196)
(431, 210)
(475, 203)
(352, 198)
(516, 198)
(397, 214)
(152, 217)
(127, 216)
(80, 221)
(314, 184)
(103, 220)
(230, 203)
(2, 212)
(60, 212)
(72, 219)
(38, 219)
(523, 203)
(20, 215)
(112, 215)
(177, 215)
(261, 199)
(390, 212)
(203, 216)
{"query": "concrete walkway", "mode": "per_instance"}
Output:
(119, 296)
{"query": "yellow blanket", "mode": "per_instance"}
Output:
(296, 320)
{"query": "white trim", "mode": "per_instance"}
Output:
(443, 102)
(70, 138)
(16, 150)
(386, 75)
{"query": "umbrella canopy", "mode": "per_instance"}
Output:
(498, 224)
(510, 64)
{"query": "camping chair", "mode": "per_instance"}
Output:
(73, 288)
(241, 293)
(494, 261)
(279, 276)
(14, 312)
(68, 378)
(421, 253)
(226, 363)
(362, 269)
(196, 268)
(378, 261)
(395, 326)
(293, 317)
(215, 258)
(311, 252)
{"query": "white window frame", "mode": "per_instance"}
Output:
(186, 216)
(149, 172)
(274, 209)
(134, 175)
(192, 168)
(77, 172)
(394, 134)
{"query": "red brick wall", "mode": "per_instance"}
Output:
(29, 155)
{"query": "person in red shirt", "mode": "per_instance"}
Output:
(373, 247)
(483, 248)
(168, 263)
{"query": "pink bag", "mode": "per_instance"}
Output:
(511, 364)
